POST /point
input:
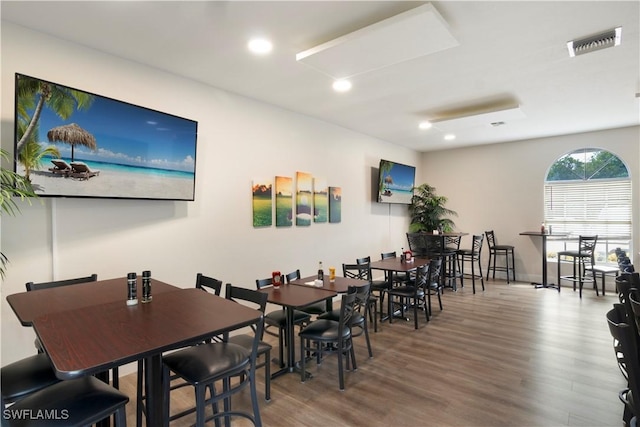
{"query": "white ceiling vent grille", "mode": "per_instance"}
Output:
(604, 40)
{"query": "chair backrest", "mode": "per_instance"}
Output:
(476, 247)
(362, 297)
(491, 238)
(208, 284)
(347, 307)
(357, 271)
(257, 300)
(294, 275)
(422, 277)
(363, 260)
(435, 265)
(263, 283)
(452, 242)
(387, 255)
(46, 285)
(587, 244)
(634, 301)
(627, 341)
(417, 243)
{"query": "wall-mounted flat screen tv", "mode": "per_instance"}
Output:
(73, 143)
(395, 182)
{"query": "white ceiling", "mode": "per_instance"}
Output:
(509, 53)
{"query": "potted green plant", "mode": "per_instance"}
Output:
(11, 185)
(428, 211)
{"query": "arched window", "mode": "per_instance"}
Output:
(587, 192)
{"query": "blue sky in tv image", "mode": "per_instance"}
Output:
(129, 137)
(402, 177)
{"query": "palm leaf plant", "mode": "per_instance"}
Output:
(428, 211)
(12, 187)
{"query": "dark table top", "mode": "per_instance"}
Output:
(339, 285)
(28, 305)
(95, 338)
(296, 296)
(396, 264)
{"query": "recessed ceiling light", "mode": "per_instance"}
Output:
(449, 137)
(425, 125)
(260, 46)
(341, 85)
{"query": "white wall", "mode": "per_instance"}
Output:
(500, 187)
(239, 139)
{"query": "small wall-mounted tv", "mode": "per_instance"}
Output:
(73, 143)
(395, 182)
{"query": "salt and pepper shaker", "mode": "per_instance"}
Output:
(132, 289)
(146, 286)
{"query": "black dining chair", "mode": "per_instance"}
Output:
(312, 309)
(331, 335)
(362, 307)
(625, 346)
(414, 294)
(254, 299)
(495, 250)
(204, 365)
(580, 258)
(77, 403)
(25, 377)
(472, 256)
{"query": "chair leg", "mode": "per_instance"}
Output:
(267, 376)
(473, 275)
(366, 337)
(303, 373)
(513, 264)
(340, 367)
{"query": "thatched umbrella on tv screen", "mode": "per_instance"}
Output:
(72, 134)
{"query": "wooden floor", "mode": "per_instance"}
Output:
(510, 356)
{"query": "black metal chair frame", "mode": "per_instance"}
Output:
(411, 295)
(586, 249)
(472, 256)
(235, 293)
(324, 332)
(236, 366)
(495, 250)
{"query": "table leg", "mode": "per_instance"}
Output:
(544, 283)
(154, 392)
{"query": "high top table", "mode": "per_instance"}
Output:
(543, 235)
(86, 332)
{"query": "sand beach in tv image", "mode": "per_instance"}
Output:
(113, 181)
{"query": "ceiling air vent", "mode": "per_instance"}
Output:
(604, 40)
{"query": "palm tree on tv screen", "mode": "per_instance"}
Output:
(35, 94)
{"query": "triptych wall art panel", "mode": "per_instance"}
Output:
(284, 201)
(314, 201)
(335, 204)
(262, 203)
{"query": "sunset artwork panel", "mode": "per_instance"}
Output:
(262, 203)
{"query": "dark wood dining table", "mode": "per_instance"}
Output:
(87, 334)
(397, 265)
(339, 285)
(293, 297)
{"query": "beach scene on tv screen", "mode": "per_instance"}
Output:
(85, 145)
(396, 182)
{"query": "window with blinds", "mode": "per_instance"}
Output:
(601, 207)
(588, 192)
